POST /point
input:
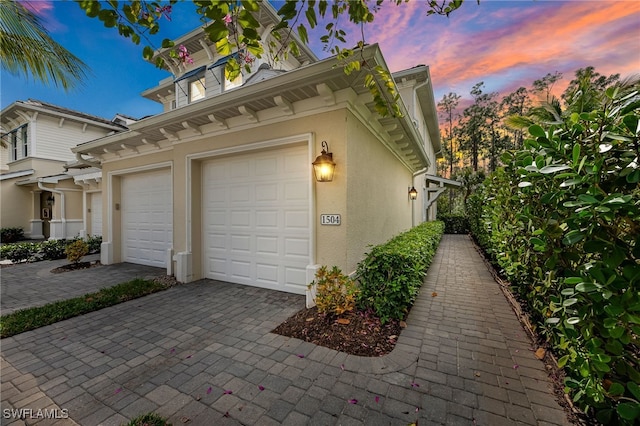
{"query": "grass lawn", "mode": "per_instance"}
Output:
(32, 318)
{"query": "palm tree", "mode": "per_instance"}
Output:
(27, 48)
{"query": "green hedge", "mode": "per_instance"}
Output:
(392, 273)
(561, 221)
(45, 250)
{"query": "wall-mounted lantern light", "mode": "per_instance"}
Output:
(324, 166)
(50, 200)
(413, 193)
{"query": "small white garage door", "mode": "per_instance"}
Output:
(256, 218)
(147, 231)
(96, 213)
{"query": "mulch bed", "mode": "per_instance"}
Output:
(355, 333)
(75, 267)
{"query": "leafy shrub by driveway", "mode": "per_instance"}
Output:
(391, 273)
(45, 250)
(562, 223)
(11, 235)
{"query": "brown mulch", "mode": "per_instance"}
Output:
(355, 333)
(75, 267)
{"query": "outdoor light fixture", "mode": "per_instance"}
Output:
(413, 193)
(324, 166)
(50, 200)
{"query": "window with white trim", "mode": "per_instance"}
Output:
(197, 89)
(19, 141)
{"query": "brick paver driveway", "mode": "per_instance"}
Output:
(203, 353)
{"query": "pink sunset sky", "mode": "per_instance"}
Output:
(505, 44)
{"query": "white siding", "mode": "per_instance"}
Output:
(54, 141)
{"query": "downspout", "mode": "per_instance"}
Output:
(63, 218)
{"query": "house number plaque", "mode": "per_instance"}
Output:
(329, 219)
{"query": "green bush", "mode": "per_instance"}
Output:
(562, 222)
(11, 235)
(454, 223)
(19, 252)
(53, 249)
(94, 242)
(391, 274)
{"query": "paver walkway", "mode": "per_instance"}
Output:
(203, 352)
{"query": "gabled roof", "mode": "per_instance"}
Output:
(11, 114)
(424, 90)
(299, 91)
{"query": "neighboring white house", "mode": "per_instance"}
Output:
(38, 194)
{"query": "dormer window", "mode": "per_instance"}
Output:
(193, 84)
(196, 89)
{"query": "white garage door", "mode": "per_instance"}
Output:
(96, 213)
(147, 218)
(256, 219)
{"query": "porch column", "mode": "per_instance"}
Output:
(35, 224)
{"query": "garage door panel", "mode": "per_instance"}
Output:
(265, 222)
(296, 219)
(296, 247)
(267, 273)
(267, 192)
(266, 219)
(147, 217)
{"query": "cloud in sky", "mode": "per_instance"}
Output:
(510, 44)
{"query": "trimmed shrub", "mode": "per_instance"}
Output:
(19, 252)
(45, 250)
(76, 251)
(335, 292)
(53, 249)
(11, 235)
(454, 223)
(391, 273)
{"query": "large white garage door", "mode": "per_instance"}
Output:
(147, 218)
(256, 218)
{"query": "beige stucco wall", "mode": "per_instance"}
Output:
(378, 206)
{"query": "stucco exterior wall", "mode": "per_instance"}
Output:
(378, 206)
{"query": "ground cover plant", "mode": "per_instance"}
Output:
(32, 318)
(45, 250)
(365, 316)
(561, 221)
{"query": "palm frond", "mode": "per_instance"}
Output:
(26, 48)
